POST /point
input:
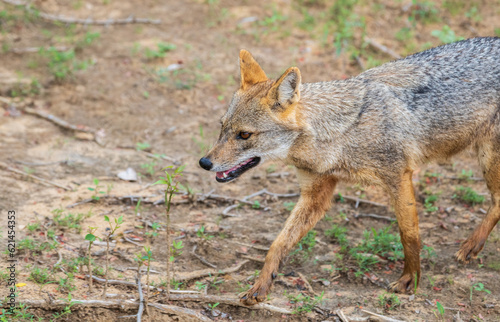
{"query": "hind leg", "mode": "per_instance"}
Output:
(489, 158)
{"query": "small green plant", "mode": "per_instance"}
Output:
(69, 220)
(440, 308)
(150, 167)
(466, 175)
(478, 287)
(389, 301)
(173, 186)
(39, 275)
(96, 189)
(91, 238)
(142, 146)
(66, 310)
(176, 285)
(63, 64)
(306, 245)
(155, 228)
(303, 303)
(256, 204)
(67, 284)
(200, 286)
(338, 233)
(160, 52)
(201, 233)
(213, 306)
(176, 250)
(429, 203)
(468, 195)
(446, 35)
(289, 205)
(428, 252)
(112, 229)
(473, 14)
(215, 282)
(424, 11)
(33, 227)
(374, 244)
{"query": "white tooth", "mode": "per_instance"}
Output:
(225, 175)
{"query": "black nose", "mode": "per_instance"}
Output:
(206, 164)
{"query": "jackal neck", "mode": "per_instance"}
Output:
(330, 108)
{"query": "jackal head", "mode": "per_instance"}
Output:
(261, 121)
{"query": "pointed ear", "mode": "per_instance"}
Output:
(251, 72)
(286, 90)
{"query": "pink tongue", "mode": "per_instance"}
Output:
(220, 174)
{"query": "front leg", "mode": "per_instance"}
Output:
(315, 200)
(406, 212)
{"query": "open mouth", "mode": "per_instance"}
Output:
(235, 172)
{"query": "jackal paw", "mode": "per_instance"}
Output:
(469, 250)
(258, 292)
(404, 284)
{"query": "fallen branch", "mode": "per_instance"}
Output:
(131, 241)
(38, 49)
(114, 304)
(70, 20)
(359, 200)
(341, 315)
(228, 301)
(203, 260)
(382, 48)
(375, 217)
(134, 285)
(382, 317)
(58, 121)
(264, 248)
(464, 178)
(253, 258)
(185, 276)
(245, 200)
(42, 180)
(141, 297)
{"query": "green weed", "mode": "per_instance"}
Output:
(160, 52)
(389, 301)
(446, 35)
(306, 245)
(69, 220)
(468, 195)
(338, 233)
(202, 234)
(96, 190)
(303, 303)
(429, 203)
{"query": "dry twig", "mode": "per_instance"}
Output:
(116, 304)
(375, 217)
(42, 180)
(382, 48)
(141, 297)
(203, 260)
(134, 285)
(264, 248)
(106, 22)
(382, 317)
(228, 301)
(186, 276)
(341, 315)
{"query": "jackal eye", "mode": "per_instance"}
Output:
(244, 135)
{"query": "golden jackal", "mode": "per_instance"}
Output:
(375, 128)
